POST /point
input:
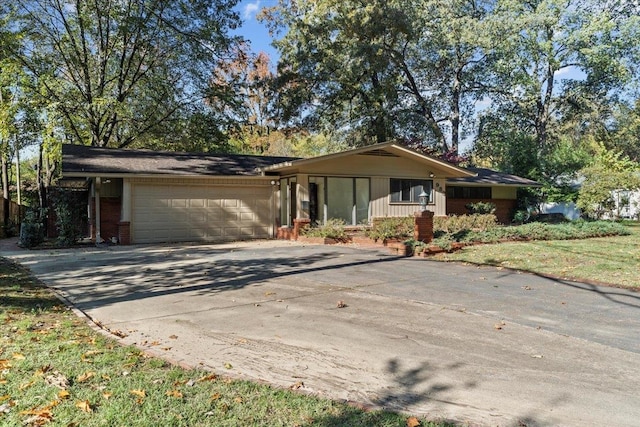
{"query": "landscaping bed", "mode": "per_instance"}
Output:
(455, 232)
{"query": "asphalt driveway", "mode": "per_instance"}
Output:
(478, 345)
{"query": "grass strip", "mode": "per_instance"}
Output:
(613, 260)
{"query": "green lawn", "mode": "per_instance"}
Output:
(610, 260)
(57, 371)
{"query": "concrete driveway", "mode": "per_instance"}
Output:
(481, 346)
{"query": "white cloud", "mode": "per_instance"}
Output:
(250, 9)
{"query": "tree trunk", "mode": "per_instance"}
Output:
(5, 191)
(455, 112)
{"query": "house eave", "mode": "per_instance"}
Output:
(97, 174)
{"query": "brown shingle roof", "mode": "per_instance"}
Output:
(80, 160)
(491, 177)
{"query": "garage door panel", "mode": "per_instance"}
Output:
(174, 213)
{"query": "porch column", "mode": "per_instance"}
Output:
(97, 201)
(124, 226)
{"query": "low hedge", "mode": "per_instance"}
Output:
(457, 223)
(535, 231)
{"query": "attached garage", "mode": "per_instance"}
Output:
(162, 212)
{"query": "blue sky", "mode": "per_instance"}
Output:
(253, 30)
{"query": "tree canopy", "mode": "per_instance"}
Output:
(517, 81)
(119, 73)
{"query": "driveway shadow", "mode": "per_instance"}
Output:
(94, 282)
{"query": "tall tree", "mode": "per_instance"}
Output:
(382, 69)
(117, 72)
(558, 72)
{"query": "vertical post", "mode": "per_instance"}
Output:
(423, 226)
(97, 198)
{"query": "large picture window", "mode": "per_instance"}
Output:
(339, 197)
(408, 190)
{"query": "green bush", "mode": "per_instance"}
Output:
(538, 231)
(481, 208)
(69, 216)
(457, 223)
(333, 229)
(31, 229)
(391, 228)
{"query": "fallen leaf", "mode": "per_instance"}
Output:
(92, 353)
(25, 386)
(216, 396)
(527, 288)
(174, 393)
(6, 407)
(56, 379)
(64, 394)
(118, 333)
(139, 393)
(173, 337)
(4, 364)
(18, 356)
(297, 385)
(228, 365)
(341, 304)
(537, 356)
(238, 399)
(499, 326)
(413, 422)
(107, 395)
(211, 377)
(85, 406)
(5, 397)
(266, 294)
(40, 372)
(84, 377)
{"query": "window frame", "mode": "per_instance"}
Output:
(399, 188)
(469, 192)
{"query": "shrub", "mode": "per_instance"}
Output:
(537, 231)
(391, 228)
(31, 229)
(69, 217)
(333, 229)
(481, 208)
(457, 223)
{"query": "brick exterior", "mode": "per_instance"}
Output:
(504, 207)
(124, 232)
(109, 217)
(423, 226)
(299, 224)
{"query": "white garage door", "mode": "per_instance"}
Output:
(180, 213)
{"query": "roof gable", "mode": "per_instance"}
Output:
(385, 150)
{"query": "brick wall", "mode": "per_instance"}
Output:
(504, 207)
(109, 217)
(423, 226)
